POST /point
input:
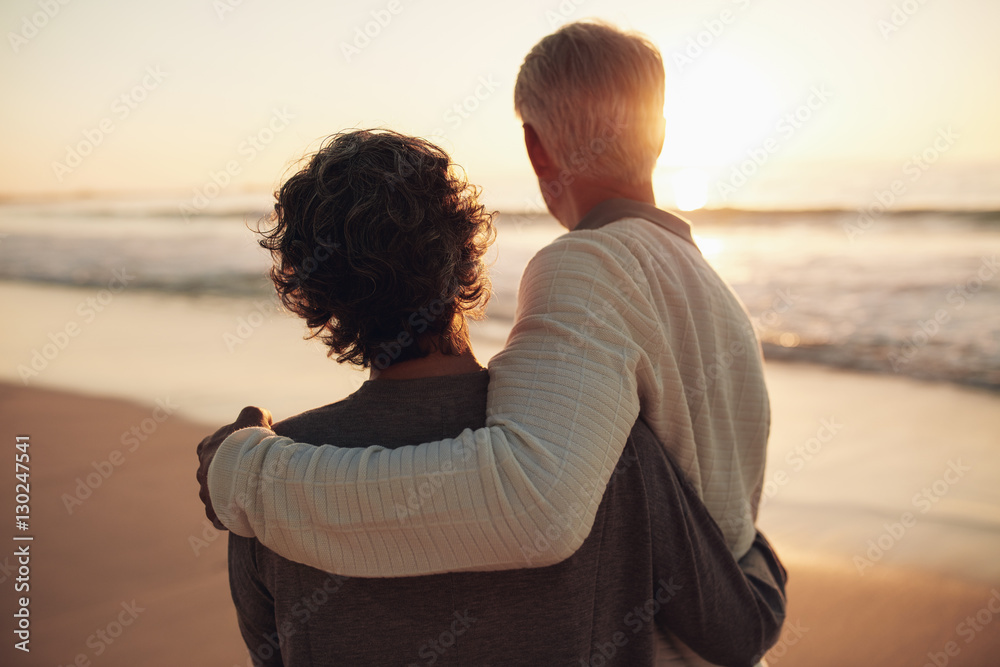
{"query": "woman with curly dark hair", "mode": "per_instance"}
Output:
(378, 244)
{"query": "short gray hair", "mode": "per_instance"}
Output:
(594, 95)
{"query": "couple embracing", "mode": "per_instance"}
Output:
(587, 500)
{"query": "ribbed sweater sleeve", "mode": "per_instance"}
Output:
(562, 399)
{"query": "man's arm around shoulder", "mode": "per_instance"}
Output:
(563, 397)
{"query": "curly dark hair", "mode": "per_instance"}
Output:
(378, 244)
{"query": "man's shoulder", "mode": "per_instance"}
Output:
(633, 216)
(637, 235)
(594, 248)
(620, 239)
(626, 249)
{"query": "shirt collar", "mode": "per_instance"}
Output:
(612, 210)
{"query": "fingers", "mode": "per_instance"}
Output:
(203, 444)
(249, 416)
(206, 499)
(210, 513)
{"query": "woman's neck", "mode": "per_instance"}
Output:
(433, 365)
(436, 363)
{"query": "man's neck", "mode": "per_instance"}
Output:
(583, 194)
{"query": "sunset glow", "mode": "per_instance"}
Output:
(690, 189)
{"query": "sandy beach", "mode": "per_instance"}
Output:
(126, 571)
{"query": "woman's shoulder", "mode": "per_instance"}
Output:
(389, 411)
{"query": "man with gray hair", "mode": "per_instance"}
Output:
(619, 318)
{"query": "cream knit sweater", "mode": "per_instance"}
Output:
(610, 322)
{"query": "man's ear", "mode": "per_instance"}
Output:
(541, 162)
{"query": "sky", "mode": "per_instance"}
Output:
(806, 101)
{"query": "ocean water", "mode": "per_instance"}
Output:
(912, 293)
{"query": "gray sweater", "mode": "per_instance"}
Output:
(654, 559)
